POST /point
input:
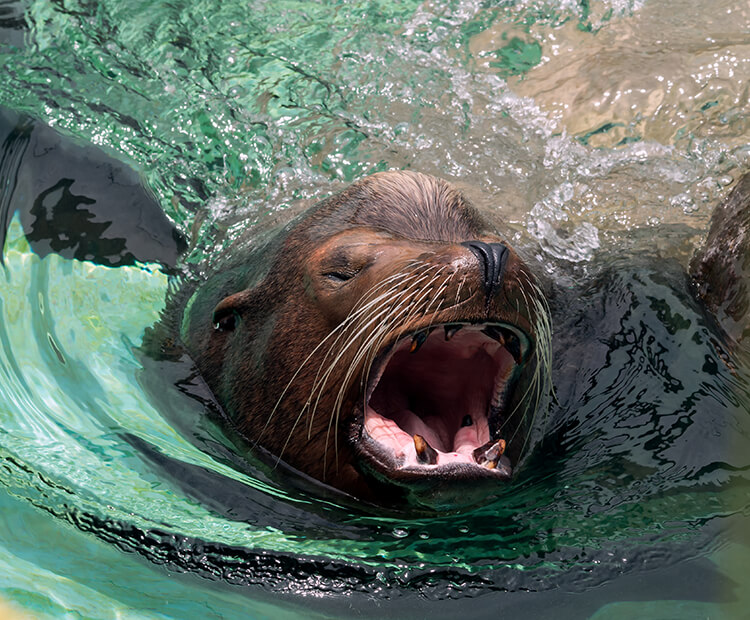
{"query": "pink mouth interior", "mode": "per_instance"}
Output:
(442, 391)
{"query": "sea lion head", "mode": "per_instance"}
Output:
(389, 343)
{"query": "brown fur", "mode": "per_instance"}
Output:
(285, 306)
(721, 269)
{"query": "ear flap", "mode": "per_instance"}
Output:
(228, 311)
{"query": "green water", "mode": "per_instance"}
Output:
(600, 129)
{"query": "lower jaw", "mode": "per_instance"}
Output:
(449, 487)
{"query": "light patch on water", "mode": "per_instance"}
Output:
(71, 393)
(545, 219)
(648, 76)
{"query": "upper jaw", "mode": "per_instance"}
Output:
(434, 409)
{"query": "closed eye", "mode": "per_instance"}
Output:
(340, 276)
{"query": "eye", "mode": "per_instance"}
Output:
(340, 276)
(227, 314)
(225, 320)
(339, 262)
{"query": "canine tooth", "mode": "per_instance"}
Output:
(450, 331)
(417, 341)
(494, 333)
(426, 454)
(489, 454)
(467, 421)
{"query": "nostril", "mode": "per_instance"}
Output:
(492, 258)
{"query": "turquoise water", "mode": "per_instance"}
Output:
(604, 131)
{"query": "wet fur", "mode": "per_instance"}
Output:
(267, 372)
(721, 269)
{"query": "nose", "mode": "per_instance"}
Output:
(492, 258)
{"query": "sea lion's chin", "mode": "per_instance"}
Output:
(434, 416)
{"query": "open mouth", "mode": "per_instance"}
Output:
(436, 402)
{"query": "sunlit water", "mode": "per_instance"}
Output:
(605, 132)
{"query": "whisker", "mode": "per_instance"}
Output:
(367, 350)
(399, 295)
(339, 332)
(353, 337)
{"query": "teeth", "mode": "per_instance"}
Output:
(426, 454)
(418, 341)
(502, 336)
(489, 454)
(450, 331)
(497, 398)
(498, 390)
(467, 421)
(494, 333)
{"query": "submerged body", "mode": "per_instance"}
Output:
(388, 342)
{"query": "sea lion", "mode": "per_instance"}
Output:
(75, 200)
(389, 342)
(721, 268)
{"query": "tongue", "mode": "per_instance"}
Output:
(467, 439)
(435, 396)
(413, 441)
(428, 427)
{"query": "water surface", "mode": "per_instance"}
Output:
(605, 132)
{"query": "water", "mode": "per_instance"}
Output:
(604, 131)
